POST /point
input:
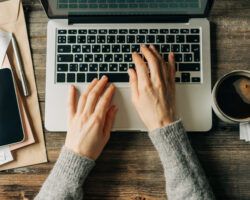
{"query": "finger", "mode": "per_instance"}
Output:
(164, 71)
(153, 64)
(84, 95)
(141, 70)
(94, 95)
(110, 118)
(133, 83)
(71, 102)
(171, 71)
(105, 100)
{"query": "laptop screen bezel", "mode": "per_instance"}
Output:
(206, 14)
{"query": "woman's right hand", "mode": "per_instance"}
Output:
(153, 88)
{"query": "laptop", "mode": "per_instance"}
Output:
(90, 38)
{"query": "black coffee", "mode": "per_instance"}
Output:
(233, 96)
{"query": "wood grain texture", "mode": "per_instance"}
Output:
(129, 167)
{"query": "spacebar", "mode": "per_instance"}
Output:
(116, 77)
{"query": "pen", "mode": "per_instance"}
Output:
(20, 67)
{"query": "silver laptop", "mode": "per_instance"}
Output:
(91, 38)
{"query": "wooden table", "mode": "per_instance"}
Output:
(129, 167)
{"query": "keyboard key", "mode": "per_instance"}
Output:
(73, 67)
(157, 47)
(81, 39)
(165, 48)
(127, 57)
(193, 38)
(91, 39)
(106, 48)
(72, 31)
(130, 39)
(195, 31)
(189, 66)
(91, 76)
(178, 57)
(108, 57)
(125, 48)
(164, 31)
(143, 31)
(71, 39)
(123, 31)
(153, 31)
(113, 67)
(93, 67)
(61, 39)
(92, 31)
(111, 39)
(98, 57)
(103, 67)
(88, 58)
(123, 67)
(83, 67)
(196, 50)
(62, 31)
(80, 78)
(175, 48)
(184, 31)
(140, 39)
(180, 39)
(76, 48)
(131, 65)
(185, 77)
(86, 48)
(64, 58)
(103, 31)
(96, 48)
(177, 79)
(150, 39)
(78, 58)
(133, 31)
(60, 78)
(64, 49)
(121, 39)
(101, 39)
(113, 31)
(82, 31)
(170, 38)
(160, 39)
(116, 48)
(71, 77)
(196, 79)
(174, 31)
(118, 57)
(116, 77)
(185, 48)
(188, 58)
(62, 67)
(135, 48)
(165, 57)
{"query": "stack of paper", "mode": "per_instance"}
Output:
(245, 131)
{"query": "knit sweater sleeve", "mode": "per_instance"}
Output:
(185, 179)
(67, 177)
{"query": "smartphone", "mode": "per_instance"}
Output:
(11, 129)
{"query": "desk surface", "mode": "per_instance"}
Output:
(129, 168)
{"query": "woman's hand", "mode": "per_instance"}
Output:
(153, 95)
(90, 119)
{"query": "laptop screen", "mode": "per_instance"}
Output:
(63, 8)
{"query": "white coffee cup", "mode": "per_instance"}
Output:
(218, 111)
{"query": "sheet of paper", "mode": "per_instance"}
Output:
(5, 38)
(5, 155)
(245, 131)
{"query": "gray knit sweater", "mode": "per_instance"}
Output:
(184, 175)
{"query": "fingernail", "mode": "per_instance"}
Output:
(104, 77)
(143, 45)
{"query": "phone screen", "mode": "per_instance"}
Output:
(11, 130)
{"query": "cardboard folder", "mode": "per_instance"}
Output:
(12, 20)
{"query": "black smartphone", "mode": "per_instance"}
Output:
(11, 129)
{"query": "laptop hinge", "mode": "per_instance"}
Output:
(78, 19)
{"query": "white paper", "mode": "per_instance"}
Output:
(245, 131)
(5, 38)
(5, 155)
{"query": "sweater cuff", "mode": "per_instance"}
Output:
(173, 134)
(72, 166)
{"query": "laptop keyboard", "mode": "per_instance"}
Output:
(85, 54)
